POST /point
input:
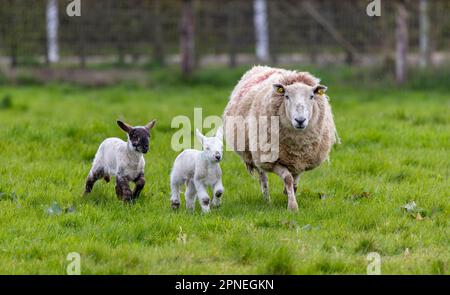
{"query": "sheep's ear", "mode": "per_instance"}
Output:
(199, 136)
(151, 124)
(320, 89)
(219, 133)
(124, 126)
(279, 88)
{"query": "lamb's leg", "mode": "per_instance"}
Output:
(218, 192)
(190, 195)
(123, 190)
(202, 194)
(288, 180)
(140, 183)
(94, 175)
(175, 196)
(264, 182)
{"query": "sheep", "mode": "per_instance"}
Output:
(305, 123)
(124, 160)
(198, 170)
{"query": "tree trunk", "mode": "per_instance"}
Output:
(158, 50)
(261, 30)
(401, 37)
(424, 34)
(52, 31)
(231, 34)
(187, 41)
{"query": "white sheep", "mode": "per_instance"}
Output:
(198, 170)
(306, 130)
(124, 160)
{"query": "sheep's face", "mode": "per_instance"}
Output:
(212, 146)
(299, 100)
(138, 137)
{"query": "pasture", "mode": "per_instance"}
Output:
(395, 150)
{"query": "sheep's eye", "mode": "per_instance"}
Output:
(287, 96)
(312, 96)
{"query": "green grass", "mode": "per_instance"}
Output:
(395, 149)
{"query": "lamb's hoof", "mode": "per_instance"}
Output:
(293, 207)
(175, 205)
(128, 200)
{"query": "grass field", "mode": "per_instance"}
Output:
(395, 149)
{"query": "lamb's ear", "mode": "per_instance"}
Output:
(199, 136)
(151, 124)
(320, 89)
(279, 88)
(124, 126)
(219, 133)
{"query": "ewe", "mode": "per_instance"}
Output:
(198, 170)
(124, 160)
(306, 127)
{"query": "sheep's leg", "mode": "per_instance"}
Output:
(296, 178)
(264, 182)
(202, 194)
(140, 183)
(175, 195)
(123, 190)
(218, 192)
(190, 196)
(94, 175)
(288, 180)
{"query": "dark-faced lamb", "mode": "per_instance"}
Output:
(124, 160)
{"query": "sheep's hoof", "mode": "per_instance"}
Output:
(293, 207)
(175, 205)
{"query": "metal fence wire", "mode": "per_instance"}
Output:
(138, 30)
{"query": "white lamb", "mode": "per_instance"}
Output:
(124, 160)
(198, 170)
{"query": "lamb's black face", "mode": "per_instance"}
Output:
(140, 139)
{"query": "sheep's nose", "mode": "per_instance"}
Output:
(218, 157)
(300, 120)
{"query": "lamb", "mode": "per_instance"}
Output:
(124, 160)
(306, 127)
(198, 170)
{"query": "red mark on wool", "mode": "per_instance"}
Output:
(255, 81)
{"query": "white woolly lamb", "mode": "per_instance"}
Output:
(306, 130)
(198, 170)
(124, 160)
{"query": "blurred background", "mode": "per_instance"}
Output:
(56, 39)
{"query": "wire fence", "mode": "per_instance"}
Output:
(136, 31)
